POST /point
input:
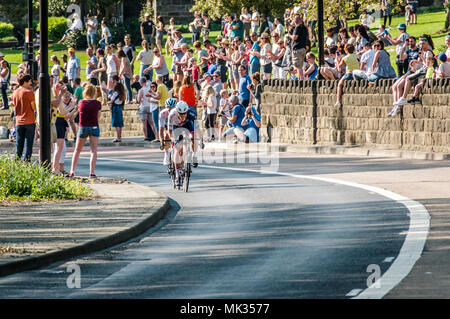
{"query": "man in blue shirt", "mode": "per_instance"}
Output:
(237, 115)
(244, 82)
(252, 121)
(73, 66)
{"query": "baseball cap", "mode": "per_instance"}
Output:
(71, 50)
(402, 26)
(1, 54)
(442, 57)
(146, 14)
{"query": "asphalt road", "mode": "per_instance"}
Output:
(237, 234)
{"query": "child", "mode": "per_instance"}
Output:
(56, 70)
(136, 85)
(209, 107)
(117, 98)
(444, 67)
(312, 71)
(224, 110)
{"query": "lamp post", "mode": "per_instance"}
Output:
(320, 30)
(44, 88)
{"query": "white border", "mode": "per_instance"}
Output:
(411, 249)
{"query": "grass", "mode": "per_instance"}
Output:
(428, 21)
(22, 181)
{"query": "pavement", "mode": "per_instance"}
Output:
(34, 235)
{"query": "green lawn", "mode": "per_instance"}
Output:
(427, 22)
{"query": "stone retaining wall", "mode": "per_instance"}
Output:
(303, 112)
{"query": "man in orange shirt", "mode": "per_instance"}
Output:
(24, 107)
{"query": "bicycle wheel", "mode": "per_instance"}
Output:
(187, 176)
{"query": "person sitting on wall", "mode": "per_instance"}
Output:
(77, 24)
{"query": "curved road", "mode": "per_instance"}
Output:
(236, 234)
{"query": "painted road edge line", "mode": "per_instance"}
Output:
(413, 244)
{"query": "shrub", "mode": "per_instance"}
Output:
(130, 26)
(56, 27)
(26, 181)
(76, 39)
(6, 30)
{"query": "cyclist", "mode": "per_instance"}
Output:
(163, 128)
(181, 119)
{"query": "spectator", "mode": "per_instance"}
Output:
(146, 58)
(178, 54)
(125, 74)
(224, 111)
(162, 95)
(366, 63)
(196, 27)
(246, 19)
(251, 122)
(244, 83)
(91, 26)
(202, 57)
(205, 27)
(160, 66)
(222, 58)
(148, 30)
(264, 26)
(381, 66)
(444, 66)
(413, 5)
(331, 38)
(210, 108)
(235, 120)
(188, 94)
(343, 36)
(101, 67)
(106, 35)
(256, 91)
(160, 27)
(212, 68)
(400, 41)
(351, 63)
(23, 100)
(237, 27)
(64, 66)
(382, 34)
(278, 27)
(447, 43)
(91, 65)
(76, 25)
(386, 8)
(170, 39)
(130, 50)
(279, 66)
(362, 38)
(56, 70)
(4, 76)
(136, 85)
(265, 55)
(146, 107)
(90, 111)
(116, 103)
(73, 66)
(299, 39)
(352, 36)
(312, 71)
(255, 21)
(217, 85)
(255, 65)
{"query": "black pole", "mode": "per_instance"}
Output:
(320, 32)
(29, 44)
(44, 88)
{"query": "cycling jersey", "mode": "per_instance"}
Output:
(164, 117)
(174, 121)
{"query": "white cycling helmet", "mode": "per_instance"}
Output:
(182, 107)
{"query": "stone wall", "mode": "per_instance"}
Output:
(303, 112)
(178, 9)
(132, 124)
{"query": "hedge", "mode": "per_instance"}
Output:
(6, 30)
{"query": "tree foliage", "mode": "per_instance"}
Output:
(13, 10)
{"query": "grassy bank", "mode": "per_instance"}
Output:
(21, 181)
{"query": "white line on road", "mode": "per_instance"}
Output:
(410, 251)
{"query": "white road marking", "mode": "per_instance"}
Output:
(412, 247)
(353, 292)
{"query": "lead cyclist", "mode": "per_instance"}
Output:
(181, 120)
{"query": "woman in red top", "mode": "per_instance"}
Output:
(90, 110)
(188, 92)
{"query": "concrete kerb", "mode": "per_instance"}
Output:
(151, 216)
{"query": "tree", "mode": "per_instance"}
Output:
(217, 8)
(14, 10)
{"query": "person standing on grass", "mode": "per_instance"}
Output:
(24, 103)
(91, 65)
(73, 66)
(90, 110)
(148, 30)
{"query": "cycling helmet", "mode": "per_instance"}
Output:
(182, 107)
(171, 102)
